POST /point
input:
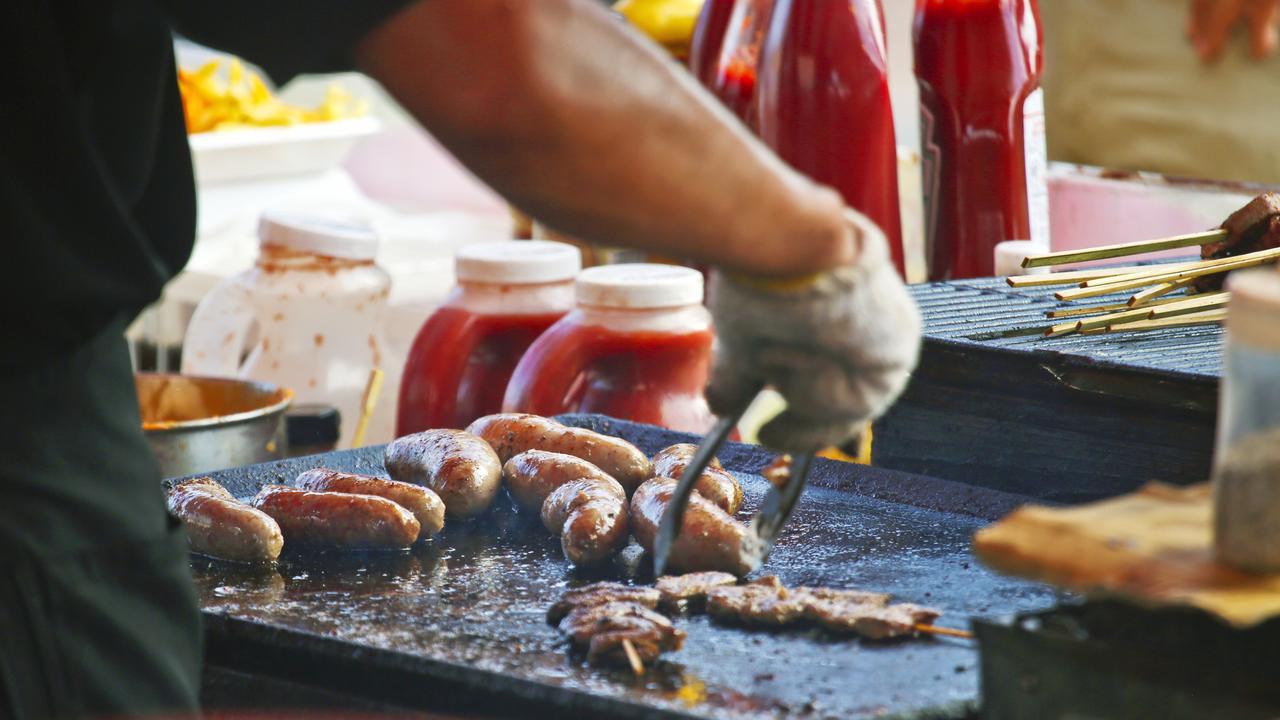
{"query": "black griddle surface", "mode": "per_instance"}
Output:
(466, 609)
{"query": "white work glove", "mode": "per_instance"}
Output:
(839, 346)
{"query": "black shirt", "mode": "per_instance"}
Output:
(97, 203)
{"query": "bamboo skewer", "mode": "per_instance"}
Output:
(1209, 317)
(944, 631)
(368, 402)
(1212, 267)
(1211, 301)
(1161, 271)
(1160, 290)
(1124, 249)
(1072, 277)
(633, 657)
(1099, 309)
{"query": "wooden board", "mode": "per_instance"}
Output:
(1153, 546)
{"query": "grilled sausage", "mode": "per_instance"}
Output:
(220, 526)
(709, 540)
(511, 434)
(590, 516)
(425, 505)
(716, 484)
(340, 519)
(459, 467)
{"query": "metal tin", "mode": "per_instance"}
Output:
(201, 424)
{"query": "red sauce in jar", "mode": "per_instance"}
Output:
(708, 38)
(735, 73)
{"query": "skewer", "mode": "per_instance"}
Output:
(1145, 296)
(1210, 317)
(1124, 249)
(1098, 309)
(1211, 267)
(1162, 271)
(367, 404)
(1115, 318)
(1210, 301)
(945, 631)
(633, 657)
(1072, 277)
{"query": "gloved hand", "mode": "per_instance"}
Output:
(1212, 22)
(839, 346)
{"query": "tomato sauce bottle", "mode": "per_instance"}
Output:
(708, 38)
(735, 77)
(823, 104)
(978, 63)
(508, 293)
(637, 346)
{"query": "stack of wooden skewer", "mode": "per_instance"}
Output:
(1163, 295)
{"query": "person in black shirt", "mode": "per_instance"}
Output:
(554, 103)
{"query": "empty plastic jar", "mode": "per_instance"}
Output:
(636, 347)
(508, 293)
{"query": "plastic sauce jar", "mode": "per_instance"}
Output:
(508, 294)
(636, 347)
(1246, 472)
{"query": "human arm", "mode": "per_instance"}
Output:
(1211, 23)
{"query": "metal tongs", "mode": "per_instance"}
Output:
(765, 526)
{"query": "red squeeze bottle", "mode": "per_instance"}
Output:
(508, 294)
(636, 347)
(823, 99)
(978, 63)
(735, 77)
(708, 38)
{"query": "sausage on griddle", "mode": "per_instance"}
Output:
(579, 502)
(338, 519)
(458, 466)
(220, 526)
(425, 505)
(511, 434)
(710, 538)
(716, 484)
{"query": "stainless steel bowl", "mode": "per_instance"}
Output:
(201, 424)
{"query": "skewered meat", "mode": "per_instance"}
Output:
(599, 594)
(716, 484)
(604, 630)
(771, 604)
(341, 519)
(511, 434)
(220, 526)
(755, 605)
(690, 589)
(425, 505)
(1252, 228)
(459, 467)
(710, 539)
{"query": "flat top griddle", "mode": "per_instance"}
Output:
(987, 313)
(465, 611)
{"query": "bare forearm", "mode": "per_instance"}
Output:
(577, 121)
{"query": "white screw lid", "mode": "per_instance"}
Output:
(319, 233)
(639, 286)
(517, 262)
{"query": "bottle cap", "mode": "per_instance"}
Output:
(318, 233)
(1009, 256)
(517, 262)
(1253, 317)
(639, 286)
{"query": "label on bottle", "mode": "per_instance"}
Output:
(930, 176)
(1036, 149)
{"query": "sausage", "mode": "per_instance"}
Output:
(578, 501)
(710, 538)
(716, 484)
(220, 526)
(459, 467)
(340, 519)
(511, 434)
(590, 516)
(425, 505)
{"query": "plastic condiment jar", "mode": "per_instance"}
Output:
(1247, 460)
(637, 347)
(309, 313)
(508, 294)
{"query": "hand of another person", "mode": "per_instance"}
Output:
(839, 346)
(1212, 22)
